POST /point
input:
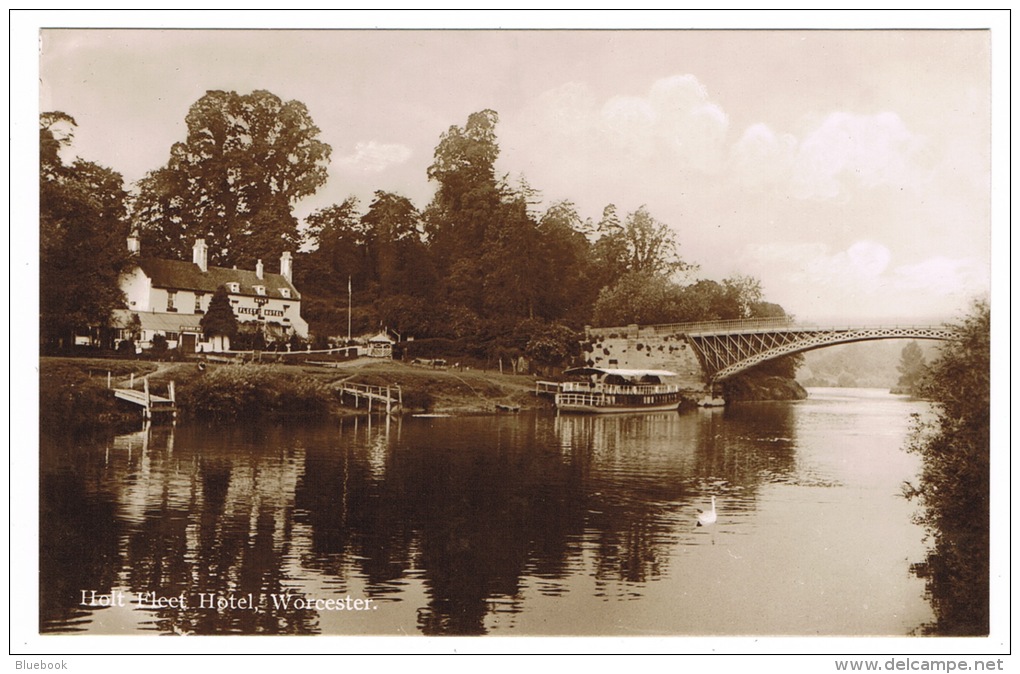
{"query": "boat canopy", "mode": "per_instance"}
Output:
(625, 373)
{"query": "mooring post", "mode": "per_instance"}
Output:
(148, 401)
(173, 398)
(389, 400)
(109, 379)
(132, 384)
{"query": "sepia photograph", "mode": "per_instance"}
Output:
(645, 338)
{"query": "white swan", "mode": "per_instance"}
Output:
(706, 518)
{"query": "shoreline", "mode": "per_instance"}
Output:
(74, 393)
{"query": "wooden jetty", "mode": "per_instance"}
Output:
(150, 403)
(388, 399)
(547, 387)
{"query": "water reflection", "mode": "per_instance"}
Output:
(451, 526)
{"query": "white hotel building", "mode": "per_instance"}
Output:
(169, 297)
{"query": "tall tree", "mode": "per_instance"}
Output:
(466, 200)
(339, 241)
(512, 265)
(570, 280)
(83, 232)
(609, 251)
(651, 245)
(396, 248)
(233, 181)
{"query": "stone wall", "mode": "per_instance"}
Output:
(644, 349)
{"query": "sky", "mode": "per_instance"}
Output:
(848, 170)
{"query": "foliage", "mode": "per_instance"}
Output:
(73, 392)
(245, 161)
(954, 486)
(159, 345)
(553, 345)
(651, 245)
(83, 229)
(254, 391)
(638, 297)
(648, 298)
(912, 368)
(219, 319)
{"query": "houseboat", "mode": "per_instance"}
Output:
(607, 390)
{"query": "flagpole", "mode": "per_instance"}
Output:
(349, 305)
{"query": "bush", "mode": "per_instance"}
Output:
(954, 486)
(252, 391)
(73, 393)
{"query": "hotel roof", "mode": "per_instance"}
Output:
(179, 275)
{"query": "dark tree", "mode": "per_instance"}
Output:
(219, 320)
(610, 249)
(233, 181)
(465, 207)
(638, 297)
(340, 251)
(396, 249)
(83, 232)
(570, 282)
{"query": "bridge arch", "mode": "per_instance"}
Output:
(734, 349)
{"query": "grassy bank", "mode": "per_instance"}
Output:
(74, 393)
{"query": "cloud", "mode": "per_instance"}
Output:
(762, 159)
(861, 282)
(373, 157)
(845, 151)
(673, 125)
(675, 121)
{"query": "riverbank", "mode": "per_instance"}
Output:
(74, 391)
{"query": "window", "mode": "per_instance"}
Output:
(172, 336)
(234, 287)
(198, 303)
(171, 296)
(260, 290)
(285, 292)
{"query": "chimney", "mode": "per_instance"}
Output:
(287, 266)
(134, 244)
(258, 268)
(200, 255)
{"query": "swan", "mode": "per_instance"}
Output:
(706, 518)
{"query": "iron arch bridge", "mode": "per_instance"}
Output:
(726, 348)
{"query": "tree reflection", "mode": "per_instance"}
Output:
(78, 534)
(482, 510)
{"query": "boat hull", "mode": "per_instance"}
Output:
(617, 409)
(615, 404)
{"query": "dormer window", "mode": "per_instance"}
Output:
(171, 296)
(260, 290)
(285, 292)
(234, 287)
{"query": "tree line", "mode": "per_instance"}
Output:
(480, 265)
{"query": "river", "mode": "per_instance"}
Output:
(527, 524)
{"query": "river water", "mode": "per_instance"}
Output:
(530, 524)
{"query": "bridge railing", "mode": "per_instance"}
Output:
(755, 325)
(697, 327)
